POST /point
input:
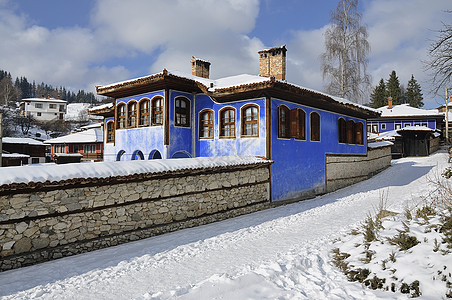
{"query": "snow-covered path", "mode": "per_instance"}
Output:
(280, 253)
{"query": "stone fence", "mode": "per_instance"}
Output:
(345, 170)
(50, 220)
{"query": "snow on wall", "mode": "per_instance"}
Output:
(43, 173)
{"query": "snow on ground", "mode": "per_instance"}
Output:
(279, 253)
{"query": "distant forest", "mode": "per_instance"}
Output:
(21, 88)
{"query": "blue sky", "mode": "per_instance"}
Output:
(80, 44)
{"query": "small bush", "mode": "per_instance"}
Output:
(404, 241)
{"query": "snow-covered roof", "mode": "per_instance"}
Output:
(53, 100)
(374, 145)
(103, 106)
(404, 110)
(27, 141)
(93, 135)
(384, 136)
(415, 128)
(15, 155)
(229, 82)
(55, 173)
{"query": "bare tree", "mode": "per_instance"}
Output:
(440, 62)
(344, 63)
(8, 92)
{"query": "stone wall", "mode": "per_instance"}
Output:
(344, 170)
(53, 220)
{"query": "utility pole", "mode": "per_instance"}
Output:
(1, 143)
(447, 118)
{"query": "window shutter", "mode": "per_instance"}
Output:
(294, 129)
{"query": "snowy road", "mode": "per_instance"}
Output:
(280, 253)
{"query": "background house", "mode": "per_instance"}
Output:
(174, 115)
(42, 109)
(403, 115)
(20, 151)
(88, 143)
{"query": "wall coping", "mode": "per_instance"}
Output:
(29, 177)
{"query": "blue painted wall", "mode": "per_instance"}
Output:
(144, 139)
(299, 165)
(229, 146)
(181, 138)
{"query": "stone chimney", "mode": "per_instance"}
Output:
(389, 102)
(200, 67)
(272, 62)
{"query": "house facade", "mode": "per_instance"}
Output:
(175, 115)
(400, 116)
(22, 151)
(42, 109)
(87, 144)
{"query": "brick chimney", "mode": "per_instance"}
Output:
(272, 62)
(200, 67)
(389, 102)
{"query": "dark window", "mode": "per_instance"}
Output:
(250, 120)
(398, 126)
(110, 131)
(298, 124)
(315, 127)
(206, 124)
(121, 116)
(359, 134)
(342, 131)
(157, 111)
(132, 113)
(144, 112)
(283, 122)
(227, 122)
(182, 112)
(350, 127)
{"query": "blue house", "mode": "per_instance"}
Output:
(175, 115)
(400, 116)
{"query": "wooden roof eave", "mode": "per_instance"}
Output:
(148, 84)
(291, 93)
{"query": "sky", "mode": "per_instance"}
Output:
(84, 43)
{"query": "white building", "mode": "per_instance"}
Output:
(43, 109)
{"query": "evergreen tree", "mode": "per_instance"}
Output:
(393, 88)
(378, 96)
(414, 93)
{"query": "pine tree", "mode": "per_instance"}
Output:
(414, 93)
(378, 96)
(393, 88)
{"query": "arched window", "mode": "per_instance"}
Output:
(121, 116)
(206, 124)
(157, 111)
(110, 132)
(181, 154)
(342, 130)
(227, 122)
(132, 113)
(315, 127)
(155, 154)
(298, 124)
(250, 120)
(121, 155)
(350, 128)
(283, 121)
(301, 124)
(359, 133)
(137, 155)
(144, 110)
(182, 110)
